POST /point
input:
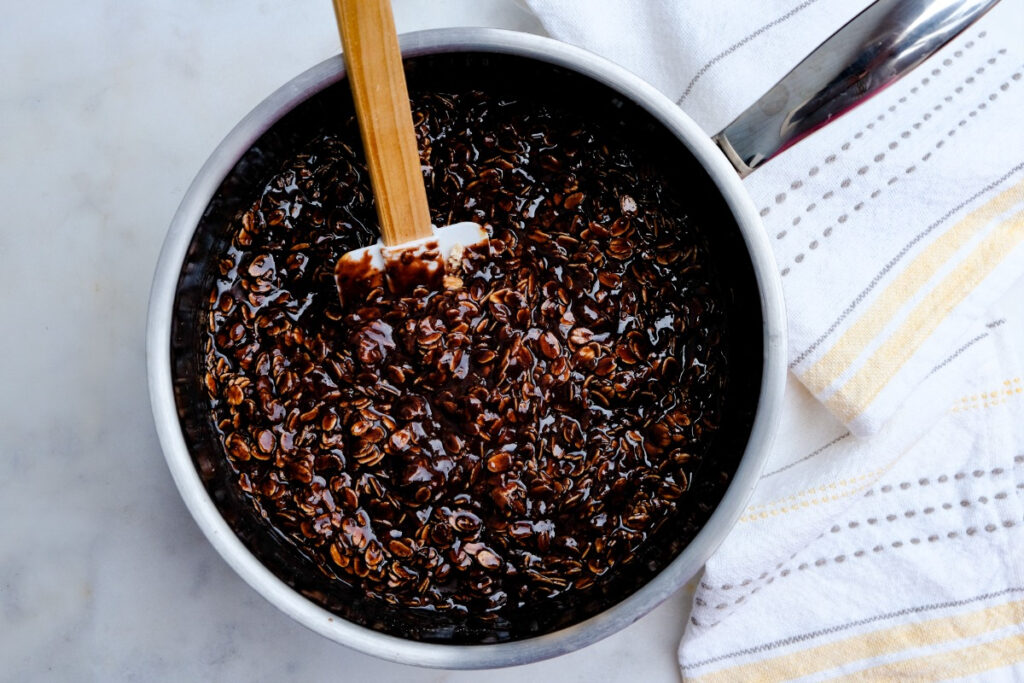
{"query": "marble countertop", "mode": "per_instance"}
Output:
(108, 110)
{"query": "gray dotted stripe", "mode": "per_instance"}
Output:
(888, 488)
(910, 514)
(914, 540)
(943, 478)
(893, 144)
(992, 97)
(814, 243)
(843, 218)
(799, 258)
(876, 549)
(735, 46)
(991, 527)
(746, 582)
(831, 158)
(896, 259)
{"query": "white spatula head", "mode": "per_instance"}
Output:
(402, 268)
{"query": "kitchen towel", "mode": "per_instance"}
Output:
(895, 557)
(886, 536)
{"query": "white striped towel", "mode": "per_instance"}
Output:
(886, 536)
(874, 558)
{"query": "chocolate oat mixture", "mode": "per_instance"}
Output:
(519, 433)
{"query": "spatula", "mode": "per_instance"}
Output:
(411, 250)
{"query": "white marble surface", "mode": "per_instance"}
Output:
(107, 110)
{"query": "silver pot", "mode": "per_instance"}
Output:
(746, 143)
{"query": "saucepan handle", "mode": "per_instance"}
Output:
(873, 50)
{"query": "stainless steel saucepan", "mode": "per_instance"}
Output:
(874, 49)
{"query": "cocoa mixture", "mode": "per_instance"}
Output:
(517, 434)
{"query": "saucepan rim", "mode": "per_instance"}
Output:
(300, 608)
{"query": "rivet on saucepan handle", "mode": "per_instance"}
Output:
(873, 50)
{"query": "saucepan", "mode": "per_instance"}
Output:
(874, 49)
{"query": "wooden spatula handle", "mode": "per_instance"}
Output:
(374, 65)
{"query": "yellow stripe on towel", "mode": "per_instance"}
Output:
(856, 338)
(872, 645)
(826, 493)
(861, 389)
(966, 662)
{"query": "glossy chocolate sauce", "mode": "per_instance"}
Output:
(513, 434)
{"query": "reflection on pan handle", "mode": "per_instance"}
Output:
(873, 50)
